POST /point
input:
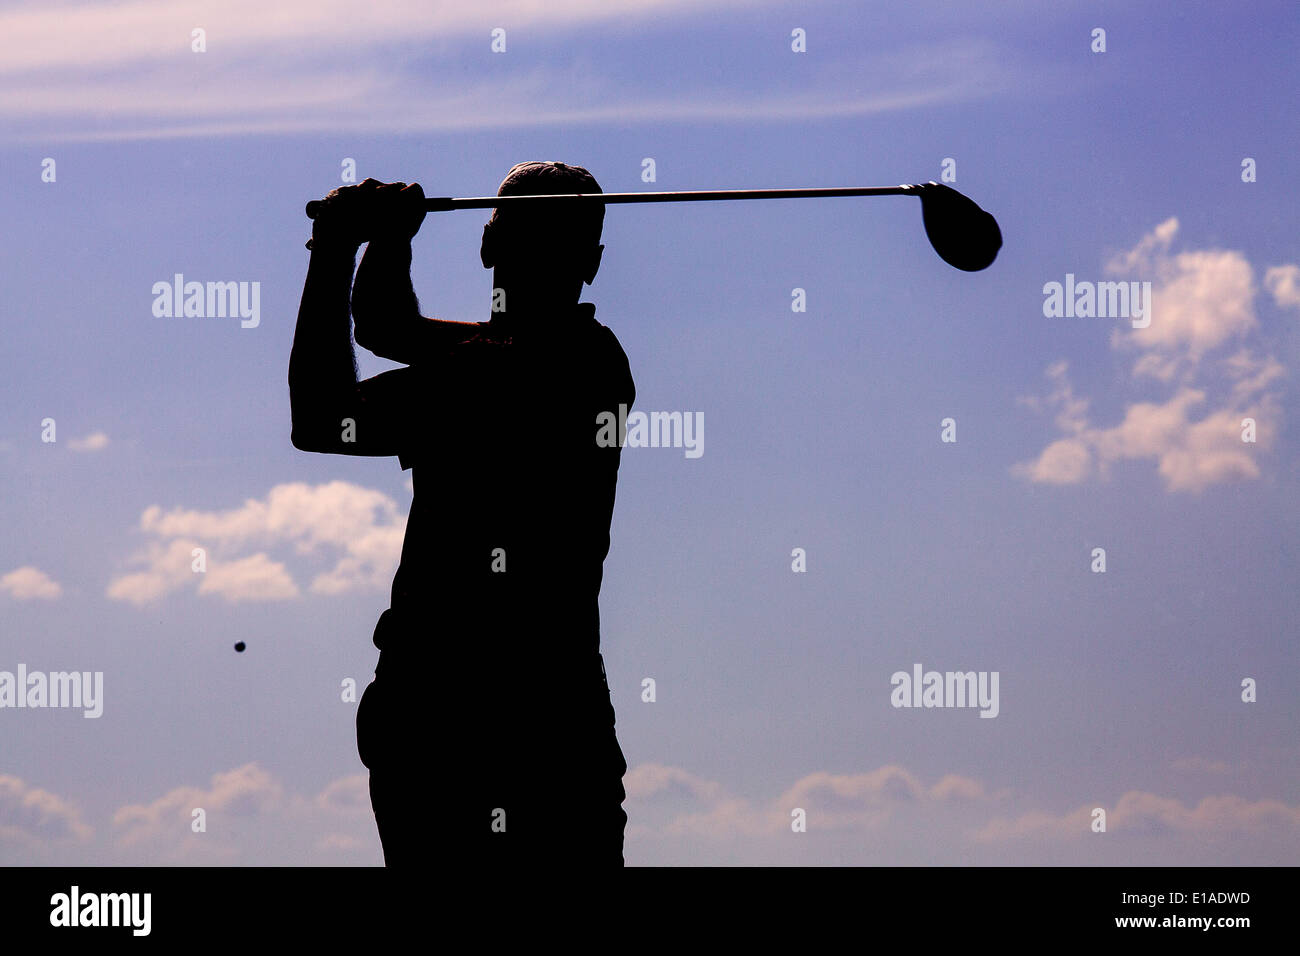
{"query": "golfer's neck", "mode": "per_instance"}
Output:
(528, 302)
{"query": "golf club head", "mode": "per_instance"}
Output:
(964, 235)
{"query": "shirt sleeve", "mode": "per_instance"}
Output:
(375, 408)
(418, 410)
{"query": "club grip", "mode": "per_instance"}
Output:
(312, 208)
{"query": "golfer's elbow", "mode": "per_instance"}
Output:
(306, 438)
(304, 441)
(310, 430)
(382, 329)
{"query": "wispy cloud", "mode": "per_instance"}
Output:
(1138, 812)
(880, 812)
(253, 817)
(249, 816)
(31, 816)
(860, 801)
(96, 441)
(237, 805)
(88, 72)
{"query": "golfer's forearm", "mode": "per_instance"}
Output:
(387, 312)
(383, 286)
(322, 365)
(383, 299)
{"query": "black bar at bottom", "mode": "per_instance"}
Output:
(352, 907)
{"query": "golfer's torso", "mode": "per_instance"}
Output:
(509, 524)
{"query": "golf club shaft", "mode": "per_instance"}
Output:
(700, 195)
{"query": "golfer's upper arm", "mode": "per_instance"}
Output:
(367, 418)
(413, 341)
(619, 370)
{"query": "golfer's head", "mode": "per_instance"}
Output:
(557, 240)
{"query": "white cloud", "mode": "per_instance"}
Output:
(1066, 461)
(1251, 376)
(30, 816)
(1201, 300)
(244, 791)
(863, 801)
(346, 795)
(359, 529)
(168, 568)
(1138, 812)
(29, 584)
(250, 818)
(649, 781)
(890, 811)
(1283, 283)
(1191, 453)
(1202, 303)
(255, 578)
(885, 815)
(96, 441)
(241, 804)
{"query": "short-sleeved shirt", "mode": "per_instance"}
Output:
(509, 526)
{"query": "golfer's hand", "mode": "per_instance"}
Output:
(398, 211)
(351, 215)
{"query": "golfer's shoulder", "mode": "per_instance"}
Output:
(609, 354)
(610, 346)
(589, 334)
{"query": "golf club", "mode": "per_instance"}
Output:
(965, 236)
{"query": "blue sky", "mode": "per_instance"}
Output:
(1120, 690)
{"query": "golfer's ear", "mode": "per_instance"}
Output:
(487, 251)
(593, 266)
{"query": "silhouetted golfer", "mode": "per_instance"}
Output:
(488, 729)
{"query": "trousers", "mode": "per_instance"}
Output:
(500, 773)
